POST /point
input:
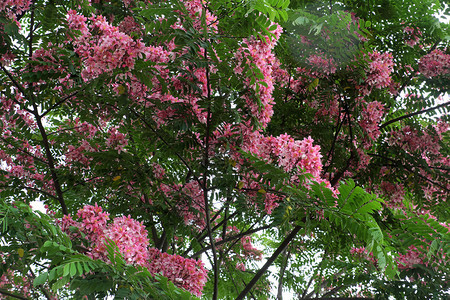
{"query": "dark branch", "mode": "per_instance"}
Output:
(5, 292)
(414, 114)
(231, 238)
(269, 262)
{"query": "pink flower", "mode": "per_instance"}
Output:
(371, 117)
(436, 63)
(412, 257)
(116, 139)
(131, 239)
(186, 273)
(322, 63)
(380, 67)
(412, 35)
(240, 266)
(101, 46)
(13, 8)
(259, 52)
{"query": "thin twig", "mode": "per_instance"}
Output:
(5, 292)
(50, 159)
(269, 262)
(414, 114)
(205, 185)
(230, 238)
(17, 85)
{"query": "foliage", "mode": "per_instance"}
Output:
(224, 149)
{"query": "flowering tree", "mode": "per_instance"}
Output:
(223, 149)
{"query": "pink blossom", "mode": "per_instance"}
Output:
(436, 63)
(412, 35)
(322, 63)
(14, 7)
(395, 192)
(158, 171)
(380, 67)
(249, 251)
(240, 266)
(361, 252)
(186, 273)
(101, 46)
(370, 118)
(259, 52)
(13, 281)
(130, 26)
(116, 139)
(93, 219)
(131, 238)
(412, 257)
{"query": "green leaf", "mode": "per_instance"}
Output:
(73, 269)
(41, 279)
(66, 270)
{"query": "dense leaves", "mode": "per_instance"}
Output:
(224, 149)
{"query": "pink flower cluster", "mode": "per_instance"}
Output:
(14, 7)
(20, 164)
(190, 203)
(395, 192)
(186, 273)
(380, 69)
(411, 140)
(322, 64)
(296, 157)
(116, 139)
(47, 58)
(371, 117)
(288, 153)
(196, 9)
(249, 251)
(412, 257)
(436, 63)
(101, 46)
(76, 154)
(361, 252)
(412, 35)
(93, 220)
(18, 283)
(130, 236)
(427, 144)
(130, 26)
(259, 52)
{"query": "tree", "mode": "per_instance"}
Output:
(191, 149)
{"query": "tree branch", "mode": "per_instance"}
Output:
(312, 277)
(50, 159)
(409, 169)
(5, 292)
(24, 151)
(269, 262)
(340, 173)
(17, 85)
(414, 114)
(205, 184)
(61, 101)
(333, 144)
(231, 238)
(30, 40)
(282, 271)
